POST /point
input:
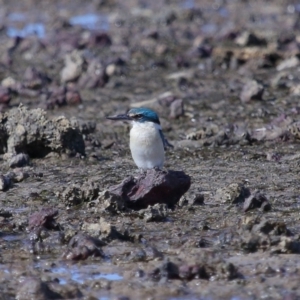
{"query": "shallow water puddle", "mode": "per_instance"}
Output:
(80, 274)
(91, 21)
(29, 28)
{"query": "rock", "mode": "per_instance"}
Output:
(252, 90)
(196, 199)
(44, 218)
(19, 160)
(155, 213)
(176, 109)
(257, 200)
(109, 201)
(233, 193)
(8, 82)
(73, 68)
(81, 246)
(33, 79)
(95, 76)
(154, 186)
(29, 131)
(5, 95)
(288, 63)
(35, 288)
(294, 130)
(250, 39)
(5, 182)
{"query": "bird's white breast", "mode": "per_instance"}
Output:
(146, 145)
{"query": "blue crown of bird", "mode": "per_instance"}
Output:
(147, 142)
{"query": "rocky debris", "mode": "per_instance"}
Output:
(205, 132)
(30, 132)
(19, 160)
(252, 90)
(105, 231)
(110, 202)
(74, 65)
(155, 213)
(5, 182)
(250, 39)
(76, 194)
(264, 234)
(33, 79)
(154, 186)
(95, 75)
(294, 130)
(81, 246)
(257, 200)
(233, 193)
(5, 95)
(200, 268)
(176, 109)
(288, 63)
(35, 288)
(44, 218)
(58, 96)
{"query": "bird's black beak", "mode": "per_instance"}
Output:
(124, 117)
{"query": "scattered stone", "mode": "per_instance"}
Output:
(252, 90)
(44, 218)
(233, 193)
(5, 95)
(257, 200)
(19, 160)
(74, 63)
(35, 288)
(110, 202)
(155, 213)
(9, 82)
(81, 246)
(288, 63)
(95, 75)
(5, 182)
(250, 39)
(154, 186)
(196, 199)
(176, 109)
(294, 130)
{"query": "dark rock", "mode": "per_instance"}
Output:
(45, 217)
(5, 182)
(99, 39)
(5, 95)
(168, 270)
(252, 91)
(154, 186)
(19, 160)
(33, 79)
(257, 200)
(81, 246)
(197, 199)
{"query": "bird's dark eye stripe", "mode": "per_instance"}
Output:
(138, 116)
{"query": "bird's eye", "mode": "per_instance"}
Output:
(138, 116)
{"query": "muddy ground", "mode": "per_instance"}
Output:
(224, 78)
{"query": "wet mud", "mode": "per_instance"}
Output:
(79, 220)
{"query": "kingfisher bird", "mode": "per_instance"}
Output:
(147, 141)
